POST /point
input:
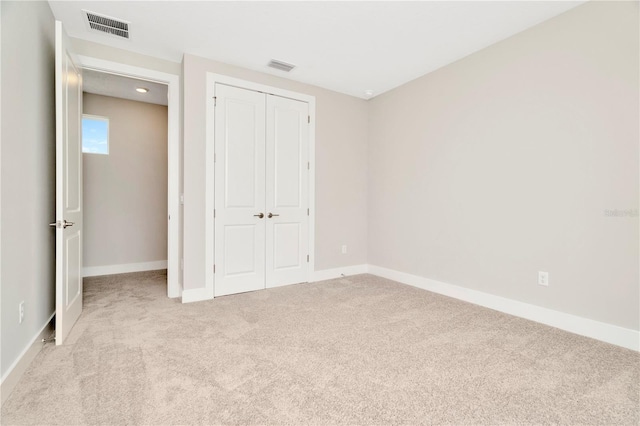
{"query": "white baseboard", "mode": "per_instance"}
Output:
(200, 294)
(196, 295)
(613, 334)
(329, 274)
(620, 336)
(94, 271)
(13, 375)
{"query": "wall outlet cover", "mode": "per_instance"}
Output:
(21, 312)
(543, 278)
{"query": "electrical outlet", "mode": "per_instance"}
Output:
(344, 249)
(21, 311)
(543, 278)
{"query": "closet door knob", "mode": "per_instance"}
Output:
(260, 216)
(272, 215)
(61, 224)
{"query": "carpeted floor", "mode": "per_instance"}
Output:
(360, 351)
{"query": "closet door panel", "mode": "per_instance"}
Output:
(239, 247)
(286, 246)
(287, 168)
(239, 190)
(241, 156)
(287, 180)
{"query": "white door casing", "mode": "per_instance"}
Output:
(240, 190)
(173, 155)
(68, 86)
(261, 191)
(210, 289)
(287, 205)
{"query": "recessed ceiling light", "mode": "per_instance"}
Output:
(142, 89)
(368, 93)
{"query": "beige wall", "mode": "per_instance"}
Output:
(479, 174)
(125, 192)
(504, 163)
(27, 174)
(341, 168)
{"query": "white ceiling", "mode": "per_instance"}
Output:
(117, 86)
(347, 46)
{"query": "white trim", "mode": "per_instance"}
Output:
(608, 333)
(329, 274)
(212, 79)
(2, 391)
(173, 156)
(312, 190)
(15, 371)
(196, 295)
(94, 271)
(209, 199)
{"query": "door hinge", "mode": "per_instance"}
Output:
(308, 119)
(307, 258)
(215, 101)
(214, 213)
(308, 166)
(214, 268)
(214, 157)
(307, 212)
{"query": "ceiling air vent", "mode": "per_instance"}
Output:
(279, 65)
(107, 25)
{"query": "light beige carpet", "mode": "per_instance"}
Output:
(360, 351)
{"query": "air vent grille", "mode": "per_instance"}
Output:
(279, 65)
(107, 25)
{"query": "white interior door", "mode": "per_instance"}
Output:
(239, 190)
(68, 82)
(287, 180)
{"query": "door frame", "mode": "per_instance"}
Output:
(174, 281)
(212, 79)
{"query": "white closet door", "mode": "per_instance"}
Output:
(239, 190)
(287, 180)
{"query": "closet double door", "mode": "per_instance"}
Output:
(261, 190)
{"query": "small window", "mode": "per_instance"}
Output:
(95, 134)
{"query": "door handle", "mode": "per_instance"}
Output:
(272, 215)
(61, 224)
(259, 216)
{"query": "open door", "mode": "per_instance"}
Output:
(68, 187)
